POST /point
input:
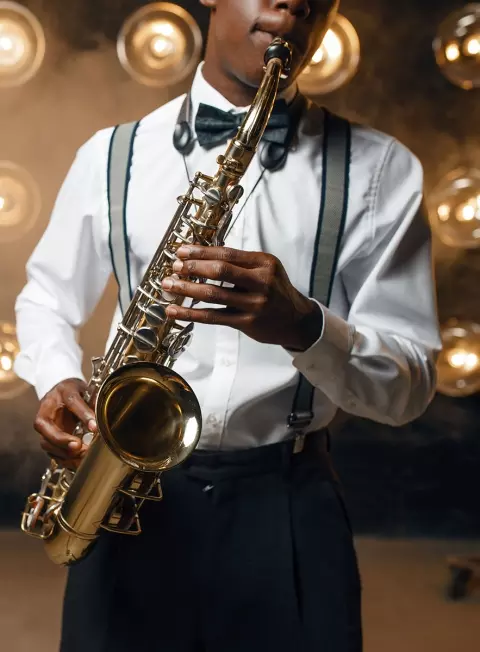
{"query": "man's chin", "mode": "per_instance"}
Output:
(256, 75)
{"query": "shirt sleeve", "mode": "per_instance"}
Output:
(380, 362)
(66, 275)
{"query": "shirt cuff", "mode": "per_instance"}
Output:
(332, 348)
(59, 368)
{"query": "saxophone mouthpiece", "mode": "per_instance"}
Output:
(280, 49)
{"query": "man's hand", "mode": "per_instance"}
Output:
(263, 303)
(59, 412)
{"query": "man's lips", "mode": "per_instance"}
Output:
(264, 38)
(274, 24)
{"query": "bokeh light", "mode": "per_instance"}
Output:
(457, 47)
(10, 384)
(335, 62)
(458, 366)
(454, 209)
(19, 201)
(22, 44)
(160, 44)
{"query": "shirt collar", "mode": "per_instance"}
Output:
(203, 93)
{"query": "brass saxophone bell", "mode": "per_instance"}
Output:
(149, 416)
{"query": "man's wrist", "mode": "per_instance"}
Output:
(309, 328)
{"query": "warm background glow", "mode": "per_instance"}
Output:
(455, 209)
(335, 62)
(159, 44)
(20, 201)
(457, 46)
(459, 363)
(22, 44)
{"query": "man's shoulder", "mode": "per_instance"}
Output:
(160, 121)
(163, 118)
(382, 149)
(370, 146)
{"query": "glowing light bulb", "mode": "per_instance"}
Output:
(12, 45)
(462, 359)
(335, 62)
(10, 384)
(163, 28)
(466, 213)
(444, 212)
(457, 46)
(454, 208)
(161, 46)
(472, 45)
(6, 44)
(456, 358)
(452, 52)
(331, 48)
(318, 56)
(6, 363)
(458, 365)
(20, 201)
(333, 45)
(22, 44)
(471, 362)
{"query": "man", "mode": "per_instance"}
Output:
(251, 548)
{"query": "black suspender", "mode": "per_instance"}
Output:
(331, 223)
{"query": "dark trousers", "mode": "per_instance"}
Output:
(248, 552)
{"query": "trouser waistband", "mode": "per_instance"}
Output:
(217, 465)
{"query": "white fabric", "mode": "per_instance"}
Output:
(376, 356)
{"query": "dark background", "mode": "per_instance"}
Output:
(420, 480)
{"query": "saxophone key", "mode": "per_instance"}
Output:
(155, 315)
(213, 196)
(176, 343)
(235, 193)
(97, 366)
(88, 438)
(123, 516)
(144, 487)
(145, 340)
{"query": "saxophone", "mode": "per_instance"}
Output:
(148, 417)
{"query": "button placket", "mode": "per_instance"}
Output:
(220, 386)
(226, 349)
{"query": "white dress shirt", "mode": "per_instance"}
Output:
(376, 356)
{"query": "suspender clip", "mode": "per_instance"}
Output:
(300, 420)
(299, 444)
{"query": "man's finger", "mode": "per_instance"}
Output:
(212, 294)
(219, 316)
(55, 451)
(215, 270)
(55, 436)
(75, 404)
(62, 457)
(247, 259)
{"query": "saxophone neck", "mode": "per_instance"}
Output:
(256, 120)
(245, 143)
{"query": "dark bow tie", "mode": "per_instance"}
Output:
(214, 126)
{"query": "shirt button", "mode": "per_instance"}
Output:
(211, 420)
